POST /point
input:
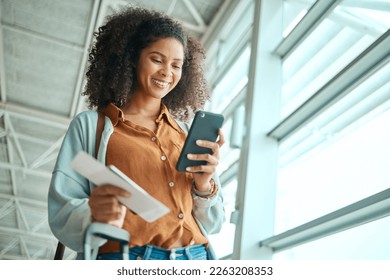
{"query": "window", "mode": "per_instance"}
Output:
(344, 34)
(333, 132)
(338, 153)
(368, 241)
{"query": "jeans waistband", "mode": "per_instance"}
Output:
(150, 252)
(154, 252)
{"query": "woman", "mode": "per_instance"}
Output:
(146, 77)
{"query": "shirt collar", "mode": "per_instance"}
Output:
(116, 115)
(164, 114)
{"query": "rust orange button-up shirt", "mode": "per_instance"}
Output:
(150, 159)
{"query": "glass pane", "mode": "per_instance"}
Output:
(340, 171)
(227, 90)
(347, 31)
(231, 84)
(364, 102)
(228, 75)
(229, 155)
(223, 242)
(235, 34)
(366, 242)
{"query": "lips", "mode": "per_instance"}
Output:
(161, 84)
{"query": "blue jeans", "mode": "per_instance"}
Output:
(150, 252)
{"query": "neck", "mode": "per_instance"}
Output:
(145, 108)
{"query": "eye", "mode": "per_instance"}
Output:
(177, 66)
(156, 60)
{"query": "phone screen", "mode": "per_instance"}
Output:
(205, 126)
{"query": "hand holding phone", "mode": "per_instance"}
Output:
(205, 126)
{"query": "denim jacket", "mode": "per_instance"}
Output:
(68, 209)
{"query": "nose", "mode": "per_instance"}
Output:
(166, 71)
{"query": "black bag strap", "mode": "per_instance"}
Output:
(59, 251)
(59, 255)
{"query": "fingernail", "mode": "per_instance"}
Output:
(199, 142)
(188, 168)
(190, 156)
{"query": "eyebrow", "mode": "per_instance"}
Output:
(163, 55)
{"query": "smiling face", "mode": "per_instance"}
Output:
(159, 68)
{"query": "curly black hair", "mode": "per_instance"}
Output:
(111, 75)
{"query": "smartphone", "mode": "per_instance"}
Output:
(205, 126)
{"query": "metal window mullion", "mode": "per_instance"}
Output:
(366, 210)
(3, 88)
(257, 173)
(317, 13)
(229, 12)
(76, 99)
(353, 74)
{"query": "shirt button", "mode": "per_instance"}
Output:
(163, 157)
(180, 216)
(171, 184)
(153, 138)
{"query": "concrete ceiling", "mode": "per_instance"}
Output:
(43, 53)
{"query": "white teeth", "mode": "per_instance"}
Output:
(160, 83)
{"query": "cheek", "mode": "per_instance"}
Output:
(177, 78)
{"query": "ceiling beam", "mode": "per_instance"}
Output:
(29, 138)
(7, 208)
(33, 235)
(195, 14)
(300, 2)
(10, 128)
(21, 238)
(42, 223)
(195, 28)
(30, 201)
(3, 133)
(21, 216)
(12, 257)
(34, 172)
(94, 15)
(171, 7)
(33, 115)
(42, 159)
(24, 248)
(3, 88)
(9, 246)
(10, 152)
(42, 37)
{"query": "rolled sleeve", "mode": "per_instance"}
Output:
(68, 209)
(209, 211)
